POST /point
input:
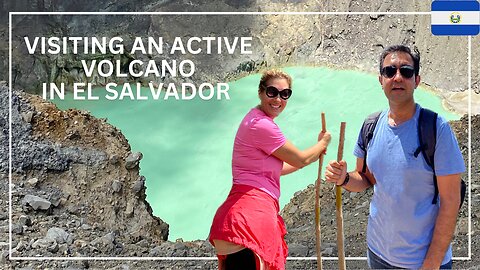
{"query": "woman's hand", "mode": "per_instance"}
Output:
(324, 138)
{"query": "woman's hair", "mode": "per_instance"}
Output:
(274, 74)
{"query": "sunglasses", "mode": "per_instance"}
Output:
(406, 71)
(273, 92)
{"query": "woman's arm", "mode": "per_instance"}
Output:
(298, 159)
(287, 168)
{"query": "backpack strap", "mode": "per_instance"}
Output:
(367, 134)
(427, 137)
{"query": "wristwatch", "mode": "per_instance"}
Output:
(347, 178)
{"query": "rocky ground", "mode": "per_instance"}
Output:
(77, 193)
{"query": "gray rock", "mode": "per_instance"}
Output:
(56, 197)
(74, 209)
(138, 185)
(63, 249)
(156, 252)
(85, 227)
(132, 160)
(303, 228)
(129, 210)
(105, 243)
(25, 220)
(21, 246)
(328, 252)
(32, 182)
(27, 117)
(143, 243)
(59, 235)
(117, 186)
(17, 229)
(45, 243)
(364, 204)
(25, 268)
(53, 248)
(179, 248)
(122, 267)
(80, 243)
(298, 250)
(293, 209)
(36, 202)
(4, 256)
(114, 159)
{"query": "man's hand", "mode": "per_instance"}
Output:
(336, 172)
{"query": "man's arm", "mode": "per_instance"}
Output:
(336, 173)
(449, 192)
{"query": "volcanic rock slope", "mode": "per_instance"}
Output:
(76, 190)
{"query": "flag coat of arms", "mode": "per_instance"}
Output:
(455, 18)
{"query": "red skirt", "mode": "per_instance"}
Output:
(249, 217)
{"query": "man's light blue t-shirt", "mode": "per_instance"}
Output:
(402, 216)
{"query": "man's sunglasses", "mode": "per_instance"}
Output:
(273, 92)
(406, 71)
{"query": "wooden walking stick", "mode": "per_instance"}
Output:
(317, 202)
(338, 196)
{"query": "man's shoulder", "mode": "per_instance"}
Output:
(375, 115)
(442, 125)
(441, 121)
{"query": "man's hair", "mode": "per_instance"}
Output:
(401, 48)
(273, 74)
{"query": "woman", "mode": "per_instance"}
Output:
(247, 231)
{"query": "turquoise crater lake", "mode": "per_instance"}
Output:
(187, 144)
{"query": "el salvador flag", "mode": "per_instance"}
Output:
(455, 18)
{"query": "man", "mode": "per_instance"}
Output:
(405, 229)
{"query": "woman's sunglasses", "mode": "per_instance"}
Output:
(406, 71)
(273, 92)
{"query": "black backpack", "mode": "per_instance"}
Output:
(427, 136)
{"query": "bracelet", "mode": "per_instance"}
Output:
(347, 178)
